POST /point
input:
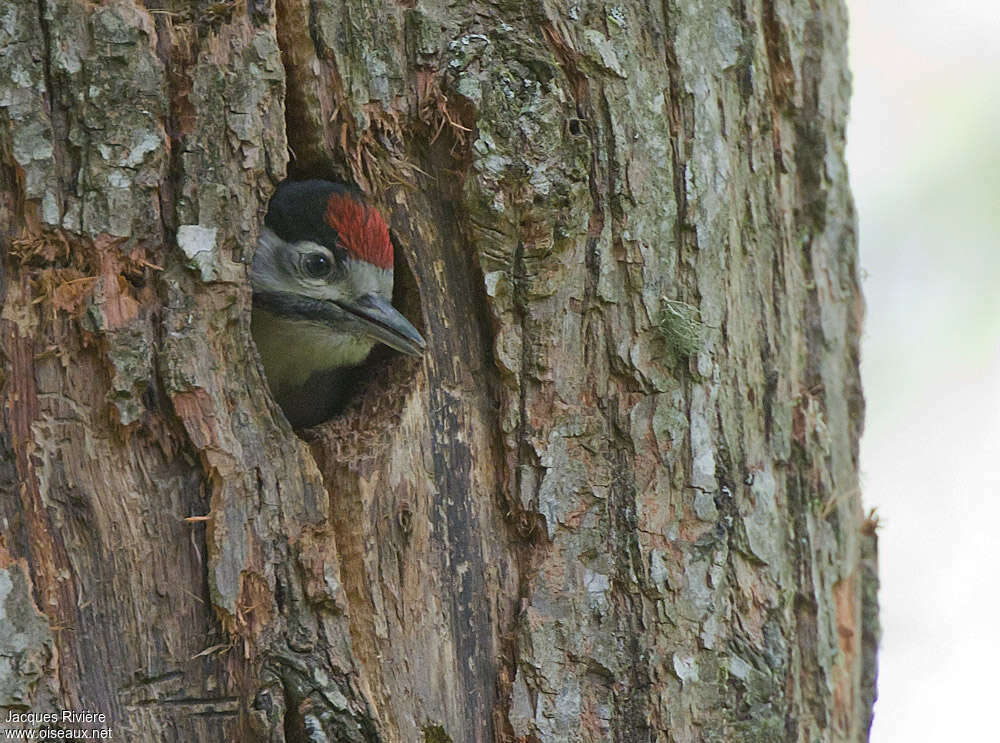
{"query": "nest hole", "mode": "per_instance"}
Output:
(375, 391)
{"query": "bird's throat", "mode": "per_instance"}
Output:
(293, 350)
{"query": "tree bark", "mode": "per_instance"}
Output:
(617, 499)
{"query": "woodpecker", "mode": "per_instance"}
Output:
(322, 291)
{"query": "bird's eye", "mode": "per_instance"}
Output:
(317, 265)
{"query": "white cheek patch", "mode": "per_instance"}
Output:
(367, 278)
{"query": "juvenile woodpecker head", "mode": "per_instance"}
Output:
(322, 287)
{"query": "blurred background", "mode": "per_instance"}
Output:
(924, 154)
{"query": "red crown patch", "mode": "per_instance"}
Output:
(362, 230)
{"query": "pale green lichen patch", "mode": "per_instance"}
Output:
(435, 734)
(681, 327)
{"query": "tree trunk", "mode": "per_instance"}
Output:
(618, 497)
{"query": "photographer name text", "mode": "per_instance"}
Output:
(65, 717)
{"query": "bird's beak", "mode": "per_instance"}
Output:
(383, 322)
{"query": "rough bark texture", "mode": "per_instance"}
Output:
(618, 498)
